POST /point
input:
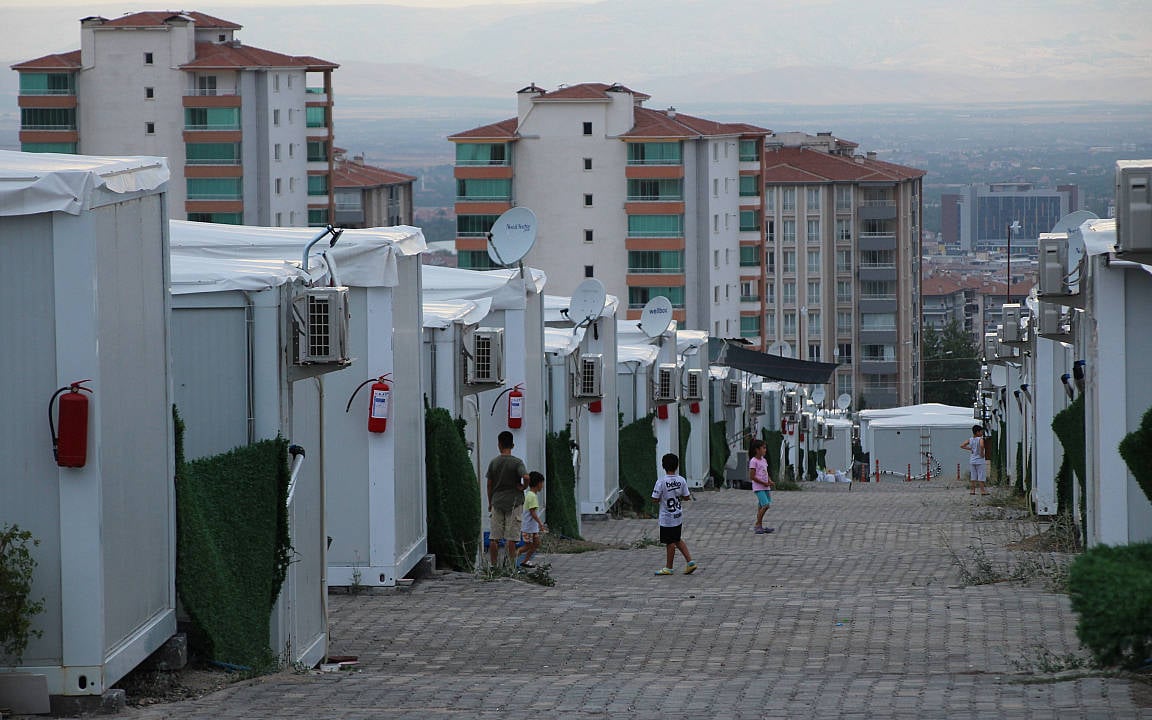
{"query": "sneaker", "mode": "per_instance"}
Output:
(769, 530)
(691, 568)
(759, 530)
(528, 564)
(663, 571)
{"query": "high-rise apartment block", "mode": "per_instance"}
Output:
(977, 218)
(247, 132)
(651, 202)
(369, 196)
(776, 238)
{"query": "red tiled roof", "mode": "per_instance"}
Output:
(503, 130)
(227, 56)
(588, 91)
(348, 174)
(60, 61)
(940, 286)
(786, 164)
(158, 18)
(659, 123)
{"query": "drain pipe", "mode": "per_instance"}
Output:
(307, 248)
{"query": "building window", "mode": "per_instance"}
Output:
(276, 185)
(205, 84)
(668, 226)
(654, 153)
(316, 116)
(289, 81)
(749, 256)
(749, 220)
(788, 234)
(47, 118)
(65, 148)
(789, 261)
(789, 323)
(814, 322)
(813, 231)
(291, 150)
(587, 163)
(474, 260)
(771, 265)
(275, 82)
(843, 230)
(812, 199)
(788, 292)
(656, 262)
(813, 292)
(843, 323)
(843, 291)
(750, 326)
(474, 225)
(655, 190)
(587, 199)
(748, 291)
(715, 258)
(749, 185)
(148, 58)
(844, 353)
(587, 271)
(211, 118)
(770, 199)
(276, 117)
(715, 223)
(587, 128)
(749, 151)
(638, 297)
(213, 188)
(291, 182)
(843, 261)
(482, 189)
(715, 187)
(588, 236)
(770, 231)
(715, 294)
(317, 217)
(279, 219)
(813, 262)
(878, 321)
(47, 83)
(222, 218)
(789, 201)
(276, 152)
(814, 352)
(149, 93)
(318, 185)
(843, 198)
(844, 384)
(149, 128)
(770, 293)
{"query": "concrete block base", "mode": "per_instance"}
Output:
(112, 702)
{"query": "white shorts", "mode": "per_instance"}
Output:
(979, 472)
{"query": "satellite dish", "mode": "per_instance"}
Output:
(656, 317)
(1073, 220)
(844, 401)
(780, 348)
(587, 301)
(818, 395)
(512, 236)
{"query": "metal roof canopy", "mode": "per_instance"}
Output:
(773, 367)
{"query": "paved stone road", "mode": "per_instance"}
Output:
(852, 609)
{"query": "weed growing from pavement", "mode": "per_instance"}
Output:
(645, 542)
(975, 567)
(1039, 659)
(540, 575)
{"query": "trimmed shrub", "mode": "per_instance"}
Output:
(1064, 489)
(638, 464)
(773, 439)
(1068, 424)
(1020, 488)
(232, 548)
(1136, 449)
(453, 491)
(561, 511)
(1111, 592)
(718, 451)
(685, 433)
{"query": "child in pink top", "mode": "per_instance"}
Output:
(761, 482)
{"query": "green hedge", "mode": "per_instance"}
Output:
(1111, 592)
(232, 548)
(1020, 488)
(685, 433)
(1064, 489)
(816, 460)
(561, 512)
(638, 464)
(453, 491)
(718, 451)
(1068, 424)
(1136, 449)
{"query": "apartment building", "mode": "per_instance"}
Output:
(840, 265)
(650, 202)
(369, 196)
(247, 132)
(976, 219)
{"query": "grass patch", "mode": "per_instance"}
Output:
(539, 575)
(560, 545)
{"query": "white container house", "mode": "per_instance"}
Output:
(84, 245)
(374, 490)
(446, 326)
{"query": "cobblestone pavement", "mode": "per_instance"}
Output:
(853, 608)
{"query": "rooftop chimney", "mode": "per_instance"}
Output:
(871, 155)
(670, 112)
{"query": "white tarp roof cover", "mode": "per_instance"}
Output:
(365, 257)
(562, 341)
(502, 286)
(909, 411)
(439, 314)
(32, 183)
(192, 273)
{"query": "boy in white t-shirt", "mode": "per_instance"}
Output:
(667, 493)
(531, 525)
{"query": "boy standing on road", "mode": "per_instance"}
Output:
(507, 477)
(761, 482)
(667, 493)
(978, 461)
(531, 525)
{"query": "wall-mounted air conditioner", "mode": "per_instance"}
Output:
(664, 387)
(829, 432)
(819, 427)
(484, 359)
(694, 385)
(805, 422)
(731, 393)
(1052, 254)
(757, 403)
(1010, 330)
(587, 380)
(320, 326)
(1050, 321)
(790, 402)
(990, 343)
(1134, 208)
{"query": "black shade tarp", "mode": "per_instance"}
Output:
(773, 367)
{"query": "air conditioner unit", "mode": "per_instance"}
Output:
(829, 432)
(804, 422)
(664, 388)
(1053, 261)
(694, 385)
(1010, 330)
(990, 343)
(589, 372)
(1050, 321)
(790, 402)
(731, 393)
(320, 322)
(1133, 207)
(485, 357)
(757, 403)
(819, 427)
(977, 413)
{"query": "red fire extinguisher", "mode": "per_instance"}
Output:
(379, 402)
(70, 446)
(596, 406)
(694, 408)
(662, 412)
(516, 407)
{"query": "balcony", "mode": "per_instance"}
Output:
(884, 240)
(750, 298)
(868, 305)
(878, 210)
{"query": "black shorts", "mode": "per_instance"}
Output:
(670, 535)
